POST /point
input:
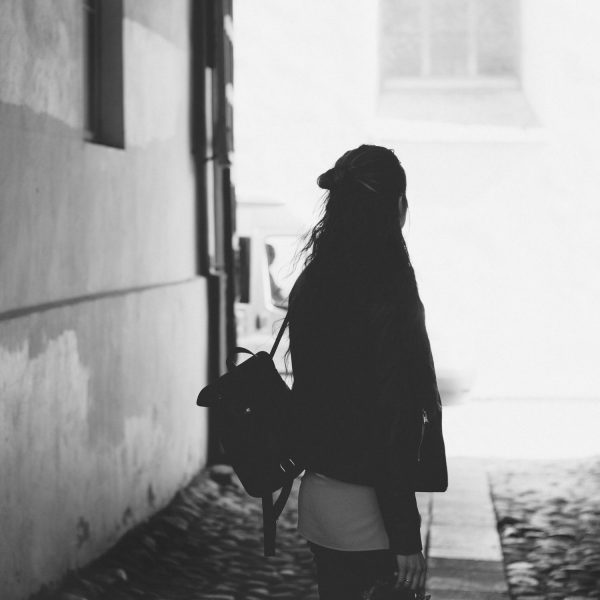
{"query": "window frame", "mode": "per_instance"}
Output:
(473, 79)
(105, 114)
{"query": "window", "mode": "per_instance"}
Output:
(105, 99)
(450, 41)
(242, 270)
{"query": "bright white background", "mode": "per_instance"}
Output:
(504, 219)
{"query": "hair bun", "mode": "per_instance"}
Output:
(327, 180)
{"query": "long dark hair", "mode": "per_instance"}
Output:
(357, 247)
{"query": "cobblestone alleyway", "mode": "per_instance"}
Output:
(207, 544)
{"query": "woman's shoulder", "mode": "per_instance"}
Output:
(395, 301)
(396, 290)
(299, 284)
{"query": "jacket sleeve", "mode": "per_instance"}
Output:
(401, 372)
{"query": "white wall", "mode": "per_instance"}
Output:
(503, 222)
(304, 91)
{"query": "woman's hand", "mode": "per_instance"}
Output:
(412, 570)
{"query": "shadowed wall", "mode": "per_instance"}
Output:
(103, 321)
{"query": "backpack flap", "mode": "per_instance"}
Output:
(211, 394)
(208, 396)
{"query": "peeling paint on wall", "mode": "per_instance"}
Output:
(43, 432)
(98, 424)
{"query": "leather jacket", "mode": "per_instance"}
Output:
(363, 375)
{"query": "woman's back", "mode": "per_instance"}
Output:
(336, 350)
(332, 375)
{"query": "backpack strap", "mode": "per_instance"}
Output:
(271, 513)
(279, 335)
(230, 361)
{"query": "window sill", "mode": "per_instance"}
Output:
(486, 113)
(392, 131)
(451, 83)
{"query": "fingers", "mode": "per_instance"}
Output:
(422, 576)
(401, 577)
(413, 577)
(412, 572)
(408, 577)
(401, 570)
(422, 580)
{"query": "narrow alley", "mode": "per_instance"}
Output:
(160, 164)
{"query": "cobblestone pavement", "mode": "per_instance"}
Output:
(206, 545)
(549, 522)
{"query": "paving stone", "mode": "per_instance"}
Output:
(222, 474)
(468, 595)
(207, 545)
(466, 575)
(549, 519)
(464, 542)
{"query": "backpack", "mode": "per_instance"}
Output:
(252, 406)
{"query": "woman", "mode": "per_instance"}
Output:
(364, 381)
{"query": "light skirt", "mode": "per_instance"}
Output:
(340, 515)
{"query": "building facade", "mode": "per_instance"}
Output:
(115, 216)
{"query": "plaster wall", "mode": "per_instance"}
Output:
(76, 217)
(559, 68)
(103, 322)
(98, 425)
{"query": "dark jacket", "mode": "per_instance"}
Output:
(363, 374)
